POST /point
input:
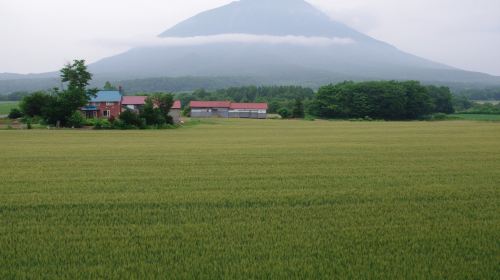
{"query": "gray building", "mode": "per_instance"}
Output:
(226, 109)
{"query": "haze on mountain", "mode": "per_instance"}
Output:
(274, 42)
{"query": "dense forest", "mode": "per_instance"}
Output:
(389, 100)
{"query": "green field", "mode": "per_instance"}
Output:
(253, 199)
(5, 106)
(477, 117)
(494, 102)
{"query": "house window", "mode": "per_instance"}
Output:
(110, 103)
(106, 113)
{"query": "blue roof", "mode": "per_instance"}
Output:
(107, 96)
(89, 108)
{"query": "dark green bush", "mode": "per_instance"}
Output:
(284, 113)
(102, 124)
(15, 113)
(76, 120)
(131, 119)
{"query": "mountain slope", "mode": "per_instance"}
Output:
(361, 58)
(270, 42)
(277, 17)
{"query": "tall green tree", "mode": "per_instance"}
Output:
(76, 95)
(418, 101)
(442, 99)
(298, 109)
(157, 108)
(76, 75)
(164, 103)
(109, 86)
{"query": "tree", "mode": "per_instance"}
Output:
(75, 96)
(109, 86)
(164, 103)
(157, 108)
(284, 113)
(418, 102)
(34, 104)
(149, 113)
(442, 99)
(461, 103)
(298, 109)
(274, 106)
(76, 75)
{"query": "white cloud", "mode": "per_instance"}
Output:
(228, 38)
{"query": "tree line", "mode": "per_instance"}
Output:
(389, 100)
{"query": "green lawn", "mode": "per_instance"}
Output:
(253, 199)
(477, 117)
(5, 106)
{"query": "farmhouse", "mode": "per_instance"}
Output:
(110, 104)
(135, 103)
(227, 109)
(106, 104)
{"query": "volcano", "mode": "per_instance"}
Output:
(274, 42)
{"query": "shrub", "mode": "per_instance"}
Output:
(102, 124)
(15, 113)
(284, 113)
(131, 119)
(90, 122)
(119, 124)
(76, 120)
(34, 104)
(439, 117)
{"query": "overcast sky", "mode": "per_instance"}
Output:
(42, 35)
